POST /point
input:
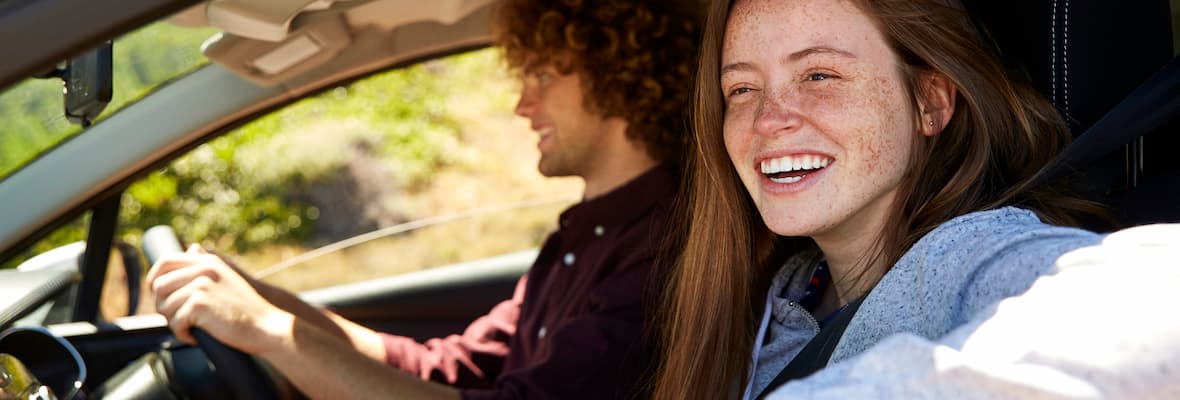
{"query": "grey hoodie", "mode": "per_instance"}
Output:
(940, 293)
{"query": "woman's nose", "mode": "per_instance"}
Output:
(776, 114)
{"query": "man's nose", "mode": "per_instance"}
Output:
(527, 105)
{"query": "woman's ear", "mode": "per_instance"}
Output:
(937, 100)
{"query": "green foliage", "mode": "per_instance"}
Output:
(236, 191)
(205, 195)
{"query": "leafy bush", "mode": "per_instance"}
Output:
(236, 191)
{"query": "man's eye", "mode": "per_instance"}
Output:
(543, 76)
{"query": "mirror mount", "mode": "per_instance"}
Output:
(89, 83)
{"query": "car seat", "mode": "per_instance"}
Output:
(1087, 56)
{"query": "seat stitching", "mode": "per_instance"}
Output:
(1065, 59)
(1053, 54)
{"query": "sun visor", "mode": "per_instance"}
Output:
(192, 17)
(268, 20)
(267, 63)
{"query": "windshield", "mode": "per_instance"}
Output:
(33, 111)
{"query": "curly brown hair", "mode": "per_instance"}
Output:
(635, 59)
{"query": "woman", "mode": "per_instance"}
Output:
(850, 149)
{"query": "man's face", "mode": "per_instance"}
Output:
(553, 103)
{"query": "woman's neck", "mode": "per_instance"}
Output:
(854, 272)
(853, 250)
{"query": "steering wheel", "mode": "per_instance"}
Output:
(242, 376)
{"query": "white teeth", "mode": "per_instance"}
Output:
(789, 179)
(794, 163)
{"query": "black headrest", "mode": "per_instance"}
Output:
(1084, 55)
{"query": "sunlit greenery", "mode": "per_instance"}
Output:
(235, 190)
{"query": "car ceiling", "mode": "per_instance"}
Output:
(268, 42)
(252, 28)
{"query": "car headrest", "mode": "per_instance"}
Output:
(1084, 55)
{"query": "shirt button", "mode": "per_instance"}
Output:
(568, 259)
(541, 333)
(599, 230)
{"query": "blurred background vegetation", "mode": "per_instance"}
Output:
(405, 144)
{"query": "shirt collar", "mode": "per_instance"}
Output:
(625, 203)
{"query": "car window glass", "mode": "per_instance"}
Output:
(143, 60)
(436, 139)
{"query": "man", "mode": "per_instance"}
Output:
(604, 86)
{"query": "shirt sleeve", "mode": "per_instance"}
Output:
(466, 360)
(1102, 326)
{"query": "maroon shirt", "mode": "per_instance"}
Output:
(575, 327)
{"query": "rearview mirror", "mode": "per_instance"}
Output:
(89, 85)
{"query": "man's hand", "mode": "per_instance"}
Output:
(200, 289)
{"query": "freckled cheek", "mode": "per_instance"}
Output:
(736, 153)
(887, 150)
(736, 137)
(738, 146)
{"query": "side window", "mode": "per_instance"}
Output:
(388, 153)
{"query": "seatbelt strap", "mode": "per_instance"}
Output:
(1152, 105)
(817, 352)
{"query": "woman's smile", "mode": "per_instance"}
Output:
(792, 173)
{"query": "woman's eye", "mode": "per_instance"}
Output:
(543, 77)
(739, 91)
(819, 76)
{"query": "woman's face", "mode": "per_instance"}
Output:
(818, 122)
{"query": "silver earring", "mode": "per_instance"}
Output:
(931, 122)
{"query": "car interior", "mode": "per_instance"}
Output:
(266, 56)
(1087, 56)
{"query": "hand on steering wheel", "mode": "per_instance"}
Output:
(236, 369)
